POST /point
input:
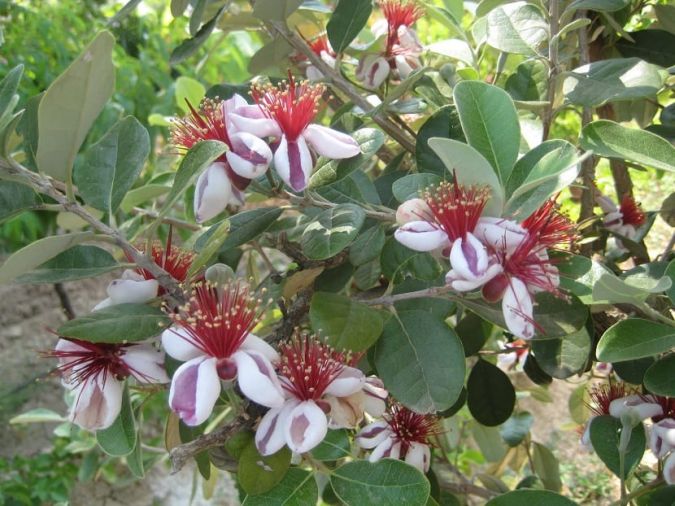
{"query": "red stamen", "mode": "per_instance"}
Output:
(217, 319)
(549, 226)
(207, 123)
(175, 261)
(309, 366)
(398, 13)
(601, 396)
(410, 427)
(93, 359)
(631, 212)
(667, 403)
(455, 208)
(320, 44)
(292, 105)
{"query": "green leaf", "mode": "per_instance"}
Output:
(297, 488)
(489, 442)
(193, 164)
(71, 104)
(471, 168)
(258, 474)
(275, 10)
(611, 140)
(605, 431)
(612, 80)
(516, 428)
(111, 166)
(659, 377)
(135, 459)
(386, 482)
(491, 396)
(633, 371)
(119, 439)
(421, 361)
(190, 46)
(528, 82)
(37, 415)
(345, 323)
(599, 5)
(443, 123)
(142, 194)
(653, 46)
(661, 496)
(349, 17)
(245, 227)
(15, 198)
(610, 289)
(634, 338)
(398, 261)
(188, 90)
(367, 246)
(8, 87)
(335, 445)
(122, 323)
(210, 247)
(269, 56)
(332, 231)
(453, 48)
(37, 253)
(531, 498)
(564, 357)
(546, 467)
(78, 262)
(490, 123)
(413, 185)
(516, 27)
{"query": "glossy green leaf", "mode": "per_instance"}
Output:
(335, 445)
(332, 231)
(297, 488)
(188, 90)
(269, 56)
(653, 46)
(111, 166)
(121, 323)
(471, 168)
(516, 428)
(190, 46)
(142, 194)
(491, 396)
(563, 357)
(635, 338)
(78, 262)
(37, 253)
(612, 80)
(15, 198)
(453, 48)
(531, 498)
(367, 246)
(633, 371)
(258, 474)
(659, 377)
(275, 10)
(546, 467)
(605, 431)
(421, 361)
(120, 438)
(71, 104)
(413, 185)
(516, 27)
(661, 496)
(386, 482)
(490, 123)
(245, 226)
(528, 82)
(609, 139)
(347, 20)
(345, 323)
(445, 124)
(599, 5)
(209, 247)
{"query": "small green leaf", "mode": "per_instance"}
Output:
(653, 46)
(37, 253)
(491, 396)
(188, 90)
(659, 377)
(37, 415)
(297, 488)
(275, 10)
(384, 483)
(609, 139)
(78, 262)
(347, 20)
(190, 46)
(345, 323)
(445, 124)
(531, 498)
(367, 246)
(605, 431)
(398, 261)
(516, 27)
(142, 194)
(244, 227)
(634, 338)
(546, 466)
(269, 56)
(516, 428)
(332, 231)
(599, 5)
(8, 87)
(71, 104)
(210, 247)
(563, 357)
(123, 323)
(258, 474)
(412, 185)
(15, 198)
(135, 459)
(528, 82)
(335, 445)
(120, 438)
(111, 166)
(421, 361)
(490, 123)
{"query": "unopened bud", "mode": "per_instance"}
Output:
(219, 274)
(412, 210)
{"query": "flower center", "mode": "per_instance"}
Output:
(601, 396)
(410, 427)
(87, 360)
(631, 212)
(455, 208)
(175, 261)
(207, 123)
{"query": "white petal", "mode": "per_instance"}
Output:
(499, 234)
(372, 70)
(669, 469)
(387, 449)
(253, 342)
(345, 412)
(250, 156)
(413, 210)
(107, 302)
(375, 396)
(313, 74)
(293, 162)
(128, 289)
(146, 363)
(666, 430)
(331, 143)
(97, 403)
(373, 434)
(517, 307)
(421, 236)
(232, 104)
(195, 388)
(270, 436)
(67, 346)
(605, 203)
(213, 191)
(179, 344)
(250, 118)
(379, 27)
(306, 427)
(349, 381)
(257, 379)
(635, 405)
(468, 257)
(419, 456)
(409, 40)
(405, 64)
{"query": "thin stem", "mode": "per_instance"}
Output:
(653, 313)
(554, 18)
(169, 221)
(639, 492)
(310, 201)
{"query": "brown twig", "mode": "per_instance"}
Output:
(65, 301)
